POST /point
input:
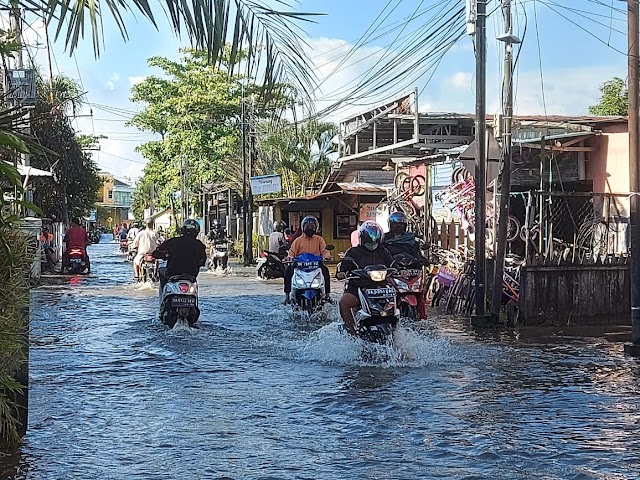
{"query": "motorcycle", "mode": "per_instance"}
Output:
(270, 265)
(150, 267)
(124, 246)
(94, 236)
(219, 254)
(307, 285)
(179, 301)
(377, 317)
(76, 265)
(409, 285)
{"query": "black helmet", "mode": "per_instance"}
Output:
(308, 220)
(397, 223)
(190, 227)
(370, 234)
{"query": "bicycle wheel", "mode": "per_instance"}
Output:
(415, 185)
(513, 229)
(398, 181)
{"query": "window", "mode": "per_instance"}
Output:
(110, 194)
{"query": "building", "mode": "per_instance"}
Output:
(115, 198)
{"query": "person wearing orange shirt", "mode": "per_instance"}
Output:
(311, 243)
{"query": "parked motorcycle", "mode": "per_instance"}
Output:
(307, 284)
(377, 317)
(409, 285)
(270, 265)
(76, 265)
(179, 301)
(150, 267)
(94, 236)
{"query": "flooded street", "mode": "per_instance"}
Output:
(255, 394)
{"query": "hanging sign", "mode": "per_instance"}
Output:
(266, 184)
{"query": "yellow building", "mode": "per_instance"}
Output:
(114, 201)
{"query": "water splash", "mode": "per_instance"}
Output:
(409, 348)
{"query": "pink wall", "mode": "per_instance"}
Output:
(608, 164)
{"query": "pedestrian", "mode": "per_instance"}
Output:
(355, 235)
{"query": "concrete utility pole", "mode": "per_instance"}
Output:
(247, 241)
(504, 178)
(634, 210)
(481, 160)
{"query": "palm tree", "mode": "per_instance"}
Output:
(62, 93)
(272, 39)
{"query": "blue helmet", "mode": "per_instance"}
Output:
(370, 234)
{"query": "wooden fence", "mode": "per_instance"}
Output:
(571, 293)
(450, 236)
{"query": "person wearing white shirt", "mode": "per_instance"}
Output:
(145, 243)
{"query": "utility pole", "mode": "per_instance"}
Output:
(245, 204)
(248, 257)
(504, 178)
(634, 207)
(481, 161)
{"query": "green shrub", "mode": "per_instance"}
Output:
(15, 262)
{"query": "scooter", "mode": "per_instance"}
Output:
(76, 265)
(409, 285)
(377, 317)
(307, 284)
(150, 269)
(219, 254)
(270, 265)
(179, 301)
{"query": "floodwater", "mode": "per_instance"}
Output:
(255, 394)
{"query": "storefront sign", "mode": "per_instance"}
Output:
(266, 184)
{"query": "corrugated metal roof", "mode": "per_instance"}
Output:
(361, 187)
(559, 136)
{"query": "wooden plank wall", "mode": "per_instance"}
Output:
(450, 236)
(574, 294)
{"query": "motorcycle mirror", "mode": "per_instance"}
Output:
(330, 247)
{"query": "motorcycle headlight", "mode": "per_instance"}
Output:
(378, 275)
(300, 282)
(400, 284)
(417, 286)
(315, 283)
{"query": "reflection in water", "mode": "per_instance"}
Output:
(255, 393)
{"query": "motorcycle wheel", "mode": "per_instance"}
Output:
(408, 311)
(261, 272)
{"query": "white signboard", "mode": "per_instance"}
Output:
(266, 184)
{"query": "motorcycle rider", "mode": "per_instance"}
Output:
(76, 237)
(276, 239)
(185, 254)
(145, 243)
(311, 243)
(218, 234)
(370, 251)
(123, 232)
(399, 240)
(133, 232)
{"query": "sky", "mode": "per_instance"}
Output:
(569, 48)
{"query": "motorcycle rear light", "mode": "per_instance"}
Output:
(184, 287)
(75, 251)
(263, 255)
(149, 258)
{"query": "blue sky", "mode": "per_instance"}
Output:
(574, 61)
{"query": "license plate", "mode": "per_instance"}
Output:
(183, 302)
(380, 292)
(221, 247)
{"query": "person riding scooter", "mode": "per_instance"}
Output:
(311, 243)
(218, 236)
(76, 237)
(277, 242)
(370, 251)
(184, 254)
(399, 241)
(144, 244)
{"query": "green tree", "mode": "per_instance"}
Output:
(73, 189)
(301, 153)
(613, 99)
(196, 109)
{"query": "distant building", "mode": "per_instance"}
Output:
(114, 201)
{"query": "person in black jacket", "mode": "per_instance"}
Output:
(185, 254)
(399, 240)
(369, 252)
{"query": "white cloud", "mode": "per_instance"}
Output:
(461, 80)
(110, 85)
(136, 80)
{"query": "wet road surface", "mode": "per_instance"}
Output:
(256, 394)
